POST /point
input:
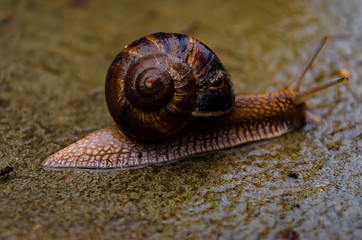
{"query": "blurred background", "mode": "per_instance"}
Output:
(54, 56)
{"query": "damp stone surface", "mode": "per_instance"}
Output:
(303, 185)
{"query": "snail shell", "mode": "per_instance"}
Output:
(197, 114)
(159, 83)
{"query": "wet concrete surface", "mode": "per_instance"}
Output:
(304, 185)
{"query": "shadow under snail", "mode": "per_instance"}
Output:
(172, 98)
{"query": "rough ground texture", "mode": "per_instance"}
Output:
(305, 185)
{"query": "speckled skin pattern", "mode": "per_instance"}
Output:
(253, 118)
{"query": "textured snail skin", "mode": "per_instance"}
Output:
(253, 118)
(216, 120)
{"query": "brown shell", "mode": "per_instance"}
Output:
(159, 82)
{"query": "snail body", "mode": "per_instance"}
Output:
(198, 113)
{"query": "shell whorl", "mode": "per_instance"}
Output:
(159, 82)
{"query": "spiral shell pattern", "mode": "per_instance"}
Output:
(157, 83)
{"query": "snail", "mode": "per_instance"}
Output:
(171, 98)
